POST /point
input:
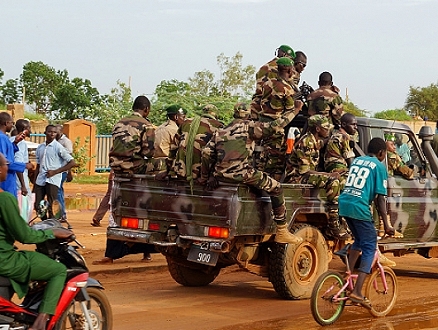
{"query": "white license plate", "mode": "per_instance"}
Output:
(200, 256)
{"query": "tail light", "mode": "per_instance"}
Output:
(218, 232)
(133, 223)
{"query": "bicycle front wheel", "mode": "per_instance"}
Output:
(382, 301)
(326, 308)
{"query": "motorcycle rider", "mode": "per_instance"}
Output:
(23, 266)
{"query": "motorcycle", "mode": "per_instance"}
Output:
(82, 304)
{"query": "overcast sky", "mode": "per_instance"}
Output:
(375, 49)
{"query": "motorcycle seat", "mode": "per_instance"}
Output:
(6, 290)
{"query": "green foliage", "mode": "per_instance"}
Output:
(80, 155)
(34, 116)
(10, 91)
(396, 114)
(111, 108)
(352, 108)
(40, 82)
(423, 102)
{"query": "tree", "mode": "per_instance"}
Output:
(10, 91)
(352, 108)
(111, 109)
(73, 99)
(423, 101)
(41, 82)
(395, 114)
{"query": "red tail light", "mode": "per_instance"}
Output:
(154, 226)
(132, 223)
(218, 232)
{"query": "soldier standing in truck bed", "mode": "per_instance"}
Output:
(228, 158)
(326, 100)
(133, 141)
(395, 163)
(266, 72)
(302, 167)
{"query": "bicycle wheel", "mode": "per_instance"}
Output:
(382, 302)
(325, 308)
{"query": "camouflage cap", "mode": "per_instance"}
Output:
(389, 137)
(285, 61)
(319, 120)
(241, 110)
(210, 109)
(175, 109)
(288, 50)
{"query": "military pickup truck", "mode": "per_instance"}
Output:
(200, 231)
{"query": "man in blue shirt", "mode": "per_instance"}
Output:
(367, 181)
(51, 157)
(8, 149)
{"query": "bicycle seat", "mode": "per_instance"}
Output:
(344, 251)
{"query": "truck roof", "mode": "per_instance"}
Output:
(381, 123)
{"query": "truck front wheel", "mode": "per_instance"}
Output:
(294, 269)
(200, 275)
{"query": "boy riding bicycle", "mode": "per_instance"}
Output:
(367, 181)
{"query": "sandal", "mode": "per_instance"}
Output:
(95, 223)
(364, 302)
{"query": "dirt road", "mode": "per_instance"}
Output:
(238, 300)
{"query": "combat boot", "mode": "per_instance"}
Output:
(384, 261)
(284, 236)
(334, 229)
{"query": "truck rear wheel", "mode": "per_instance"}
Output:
(183, 274)
(294, 269)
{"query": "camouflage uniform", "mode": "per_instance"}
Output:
(396, 166)
(229, 156)
(207, 126)
(165, 139)
(267, 71)
(338, 150)
(277, 98)
(305, 158)
(133, 146)
(327, 101)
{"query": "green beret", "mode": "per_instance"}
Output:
(285, 61)
(175, 109)
(241, 110)
(389, 137)
(319, 120)
(288, 50)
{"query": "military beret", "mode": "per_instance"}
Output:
(285, 61)
(288, 50)
(319, 120)
(210, 109)
(389, 137)
(175, 109)
(241, 110)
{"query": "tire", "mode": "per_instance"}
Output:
(99, 309)
(324, 309)
(187, 276)
(382, 303)
(294, 269)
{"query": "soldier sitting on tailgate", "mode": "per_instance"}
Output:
(302, 167)
(133, 142)
(228, 158)
(394, 161)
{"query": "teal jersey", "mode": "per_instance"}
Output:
(367, 178)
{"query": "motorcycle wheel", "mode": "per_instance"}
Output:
(99, 309)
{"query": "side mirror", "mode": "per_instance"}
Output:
(42, 209)
(56, 209)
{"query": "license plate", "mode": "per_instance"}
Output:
(200, 256)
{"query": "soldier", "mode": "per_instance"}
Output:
(227, 157)
(266, 72)
(339, 154)
(326, 100)
(165, 133)
(302, 167)
(395, 163)
(193, 135)
(133, 141)
(300, 63)
(277, 98)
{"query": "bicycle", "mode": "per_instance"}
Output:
(331, 291)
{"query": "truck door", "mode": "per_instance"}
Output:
(413, 203)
